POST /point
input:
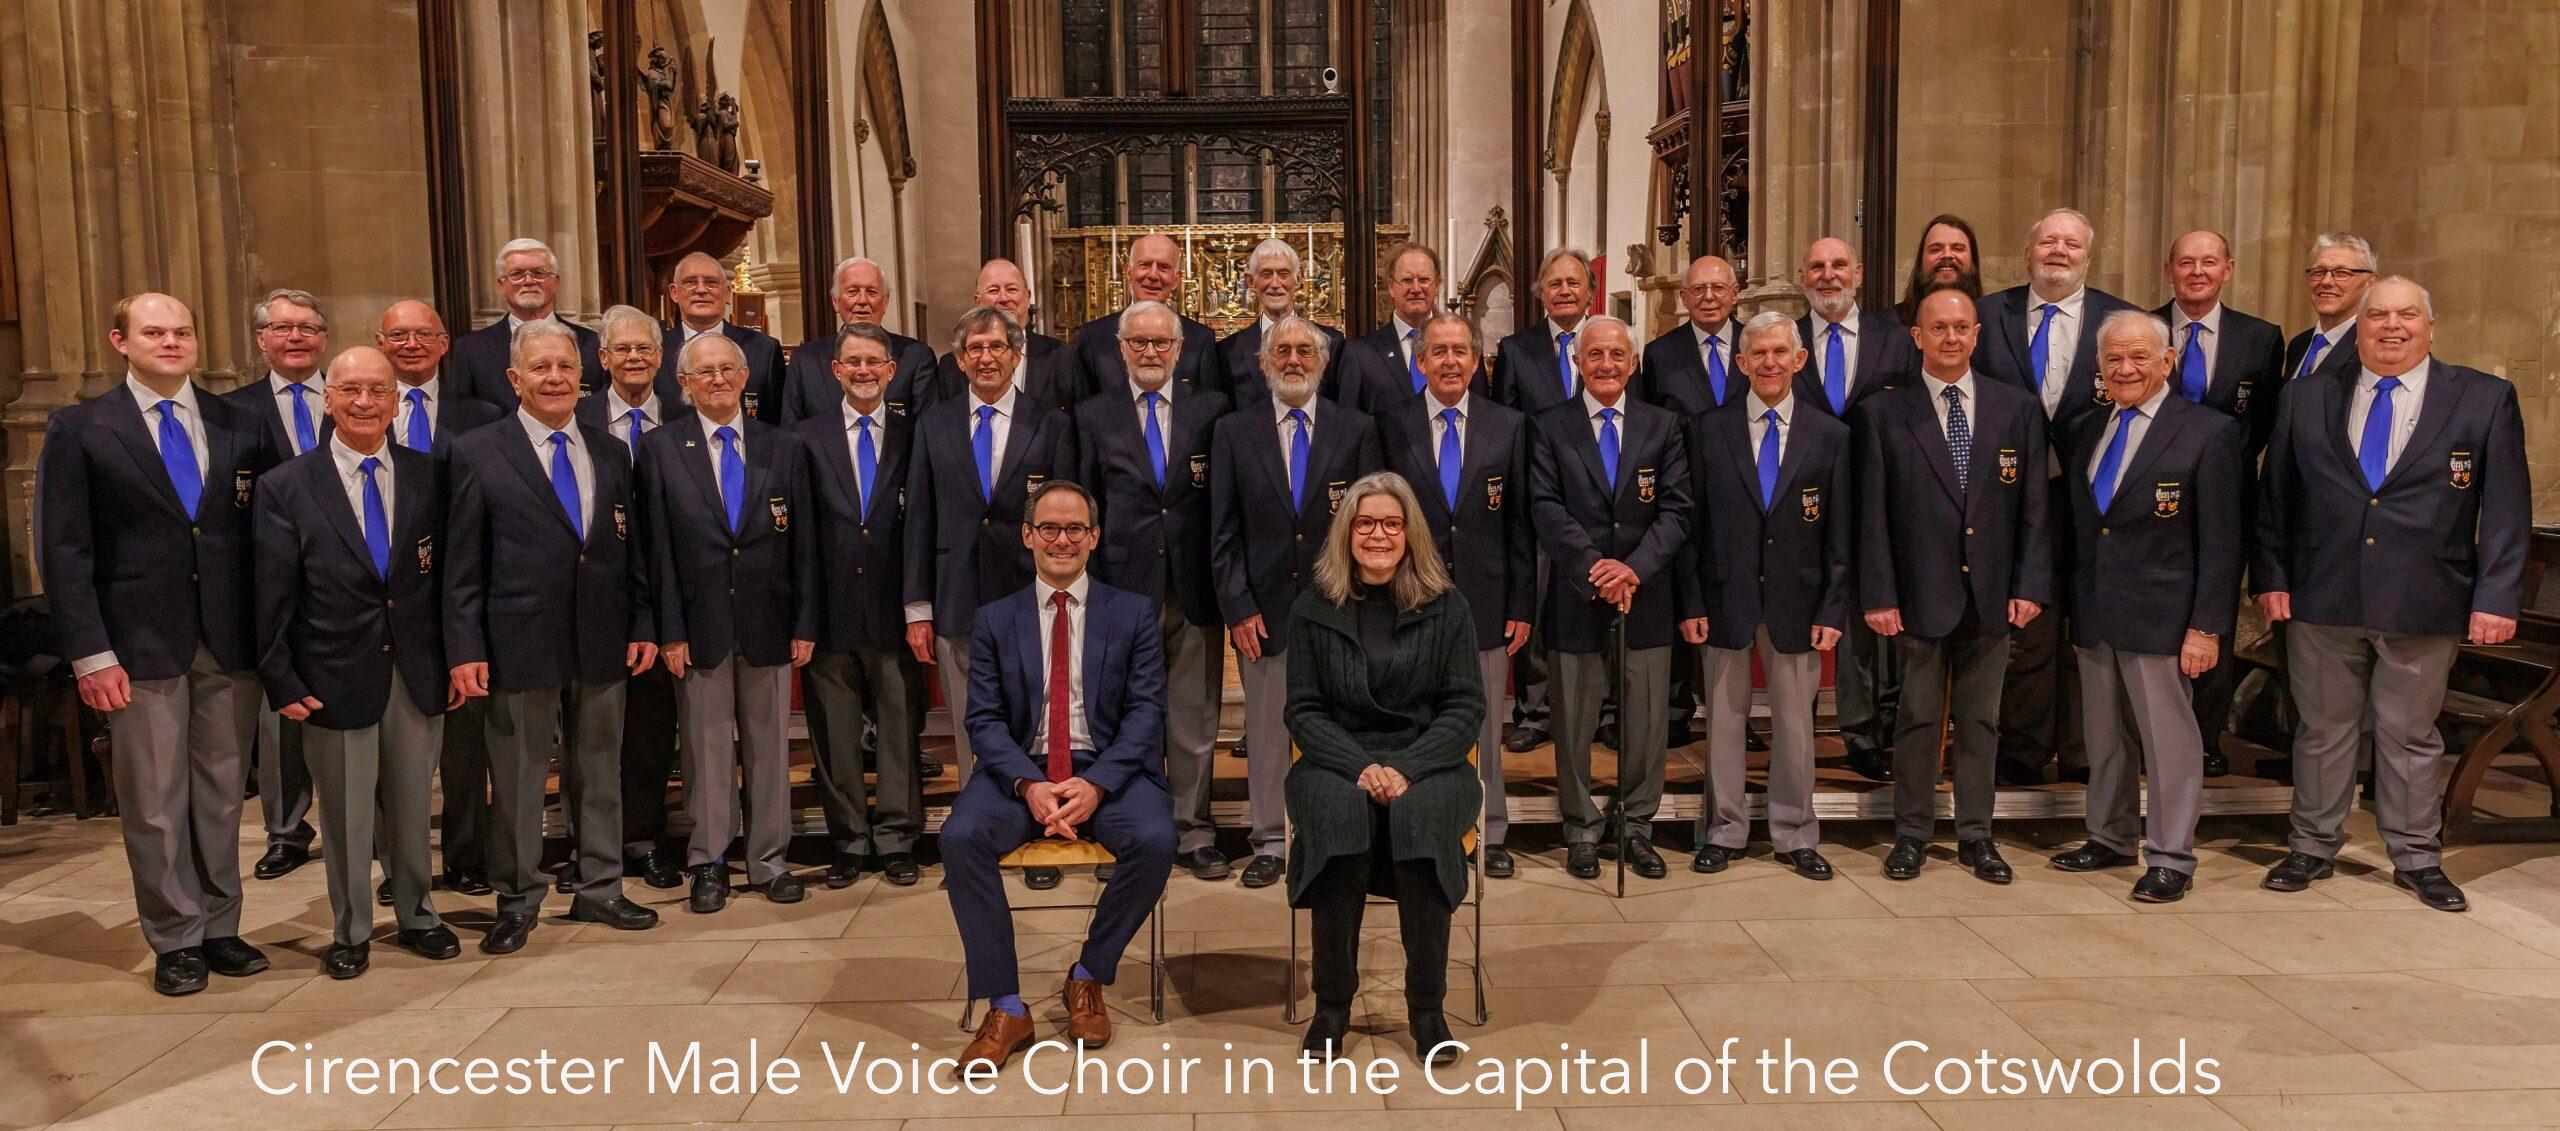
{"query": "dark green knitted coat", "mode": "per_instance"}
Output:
(1419, 719)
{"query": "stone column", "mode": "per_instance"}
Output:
(529, 144)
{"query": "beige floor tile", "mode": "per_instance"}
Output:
(749, 917)
(1399, 1120)
(1942, 888)
(1604, 954)
(2260, 1045)
(2339, 941)
(783, 1125)
(2522, 905)
(1859, 1116)
(55, 1064)
(572, 974)
(926, 910)
(1862, 949)
(889, 968)
(1608, 1022)
(627, 1032)
(2422, 1109)
(21, 876)
(2099, 946)
(903, 1035)
(397, 980)
(1550, 896)
(207, 1082)
(2222, 882)
(112, 982)
(1857, 1021)
(2040, 1114)
(1765, 895)
(2443, 1031)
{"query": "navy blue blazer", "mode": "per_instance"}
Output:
(1785, 566)
(257, 401)
(1123, 689)
(593, 407)
(331, 627)
(454, 416)
(1582, 518)
(964, 548)
(2001, 350)
(810, 387)
(1237, 358)
(523, 593)
(478, 365)
(1263, 545)
(2341, 360)
(2164, 557)
(1375, 379)
(860, 597)
(751, 592)
(1947, 549)
(1049, 372)
(1675, 376)
(1886, 357)
(124, 566)
(1155, 542)
(2248, 371)
(762, 397)
(2446, 535)
(1485, 543)
(1525, 375)
(1097, 348)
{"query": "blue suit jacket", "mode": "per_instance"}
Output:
(331, 627)
(523, 592)
(749, 593)
(761, 399)
(2003, 350)
(1123, 688)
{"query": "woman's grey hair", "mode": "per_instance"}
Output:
(1272, 248)
(1420, 576)
(2348, 240)
(2141, 322)
(262, 315)
(538, 330)
(979, 319)
(1295, 324)
(630, 318)
(1771, 322)
(551, 259)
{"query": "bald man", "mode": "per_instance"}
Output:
(699, 294)
(1693, 368)
(861, 295)
(1154, 274)
(1047, 368)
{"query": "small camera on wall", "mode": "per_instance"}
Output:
(755, 170)
(1332, 81)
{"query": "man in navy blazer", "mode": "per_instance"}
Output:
(699, 292)
(1153, 274)
(1146, 445)
(861, 295)
(1068, 718)
(350, 622)
(1047, 369)
(529, 281)
(736, 574)
(144, 495)
(1609, 496)
(2393, 517)
(2342, 268)
(1533, 371)
(1696, 367)
(1467, 458)
(1951, 506)
(1272, 272)
(2152, 493)
(1765, 570)
(1382, 370)
(547, 613)
(1278, 468)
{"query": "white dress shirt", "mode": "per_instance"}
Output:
(581, 465)
(1164, 413)
(1786, 409)
(719, 327)
(1079, 731)
(879, 418)
(1000, 427)
(1406, 347)
(2135, 429)
(1964, 392)
(1591, 407)
(2209, 340)
(1564, 355)
(2405, 402)
(433, 387)
(1280, 422)
(189, 418)
(315, 389)
(1724, 335)
(351, 477)
(711, 443)
(1847, 327)
(617, 417)
(1432, 408)
(2345, 332)
(2061, 341)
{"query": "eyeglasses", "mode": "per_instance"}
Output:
(2341, 274)
(1366, 525)
(1293, 349)
(293, 329)
(699, 283)
(413, 337)
(527, 275)
(1058, 532)
(866, 364)
(1714, 290)
(1149, 345)
(985, 349)
(732, 372)
(630, 349)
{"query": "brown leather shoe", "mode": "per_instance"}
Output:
(1087, 1022)
(999, 1037)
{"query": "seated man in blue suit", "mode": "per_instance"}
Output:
(1066, 712)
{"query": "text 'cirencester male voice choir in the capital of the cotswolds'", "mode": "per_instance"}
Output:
(464, 557)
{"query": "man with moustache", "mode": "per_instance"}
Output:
(2394, 513)
(1944, 258)
(1273, 270)
(529, 282)
(1145, 448)
(350, 620)
(861, 295)
(547, 613)
(1693, 369)
(1533, 370)
(2154, 492)
(1382, 370)
(1047, 369)
(1277, 470)
(699, 293)
(1154, 274)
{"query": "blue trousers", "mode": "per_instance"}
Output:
(986, 822)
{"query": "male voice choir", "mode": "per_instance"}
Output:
(473, 556)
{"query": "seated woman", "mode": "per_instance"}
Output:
(1384, 702)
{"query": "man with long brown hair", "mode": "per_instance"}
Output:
(1945, 257)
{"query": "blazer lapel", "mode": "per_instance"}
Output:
(1018, 437)
(1324, 451)
(2164, 432)
(1933, 441)
(221, 444)
(2340, 392)
(2433, 409)
(520, 453)
(333, 500)
(2019, 336)
(125, 418)
(1589, 446)
(1736, 441)
(414, 510)
(1987, 428)
(692, 443)
(1790, 459)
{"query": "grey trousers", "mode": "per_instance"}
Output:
(737, 721)
(1530, 668)
(1195, 660)
(374, 786)
(1493, 665)
(840, 687)
(1581, 680)
(284, 780)
(2150, 688)
(951, 666)
(1953, 678)
(181, 753)
(581, 722)
(2336, 675)
(1267, 747)
(1793, 678)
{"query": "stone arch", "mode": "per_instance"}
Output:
(1577, 74)
(884, 95)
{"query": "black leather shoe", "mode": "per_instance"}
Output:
(1904, 861)
(1681, 734)
(2296, 871)
(618, 913)
(2092, 856)
(1873, 765)
(1237, 750)
(1710, 859)
(1984, 858)
(179, 973)
(1752, 741)
(1207, 864)
(564, 877)
(1263, 871)
(466, 882)
(655, 870)
(1432, 1043)
(846, 869)
(280, 861)
(434, 943)
(1040, 879)
(507, 935)
(232, 958)
(900, 868)
(2432, 888)
(344, 962)
(2013, 774)
(1498, 864)
(382, 894)
(928, 767)
(1582, 861)
(2161, 885)
(1328, 1033)
(785, 887)
(1806, 863)
(2217, 765)
(710, 889)
(1643, 860)
(1524, 739)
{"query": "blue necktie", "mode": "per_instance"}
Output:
(1564, 361)
(2191, 378)
(1297, 458)
(1413, 359)
(2037, 353)
(2111, 462)
(1451, 461)
(1769, 459)
(1609, 446)
(303, 436)
(2311, 356)
(564, 484)
(632, 420)
(733, 475)
(422, 431)
(1715, 368)
(178, 456)
(1959, 438)
(1155, 440)
(866, 461)
(2374, 454)
(377, 522)
(984, 444)
(1835, 378)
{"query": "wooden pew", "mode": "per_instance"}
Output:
(2501, 693)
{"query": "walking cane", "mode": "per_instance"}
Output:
(1618, 796)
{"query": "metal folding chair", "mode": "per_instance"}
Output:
(1051, 852)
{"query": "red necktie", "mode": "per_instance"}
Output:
(1061, 767)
